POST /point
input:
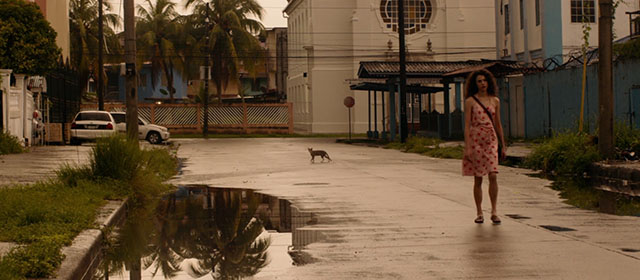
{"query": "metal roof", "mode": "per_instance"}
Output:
(423, 69)
(497, 68)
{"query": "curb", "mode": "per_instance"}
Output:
(84, 254)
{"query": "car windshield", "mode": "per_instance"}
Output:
(93, 116)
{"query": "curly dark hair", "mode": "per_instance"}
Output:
(471, 88)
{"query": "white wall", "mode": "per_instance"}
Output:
(339, 34)
(572, 32)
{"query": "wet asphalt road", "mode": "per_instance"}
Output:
(384, 214)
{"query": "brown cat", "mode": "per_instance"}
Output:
(319, 153)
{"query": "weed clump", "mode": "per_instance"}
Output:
(9, 144)
(565, 153)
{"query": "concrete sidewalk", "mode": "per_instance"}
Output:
(39, 163)
(385, 214)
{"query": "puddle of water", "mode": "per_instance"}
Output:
(604, 195)
(199, 232)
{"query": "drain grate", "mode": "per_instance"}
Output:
(628, 250)
(517, 216)
(557, 228)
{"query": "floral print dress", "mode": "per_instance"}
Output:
(484, 144)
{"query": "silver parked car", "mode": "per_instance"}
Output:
(155, 134)
(89, 125)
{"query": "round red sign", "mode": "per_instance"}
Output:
(349, 101)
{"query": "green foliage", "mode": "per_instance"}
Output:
(116, 158)
(38, 260)
(83, 29)
(48, 215)
(415, 144)
(429, 147)
(159, 41)
(446, 152)
(9, 144)
(566, 153)
(27, 41)
(626, 138)
(627, 50)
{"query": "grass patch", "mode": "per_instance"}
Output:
(46, 216)
(9, 144)
(429, 147)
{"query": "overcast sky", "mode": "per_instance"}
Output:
(272, 8)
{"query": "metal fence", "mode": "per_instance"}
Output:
(234, 118)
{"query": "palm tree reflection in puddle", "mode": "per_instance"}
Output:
(198, 230)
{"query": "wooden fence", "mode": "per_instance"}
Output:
(232, 118)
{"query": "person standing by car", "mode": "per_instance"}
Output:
(482, 130)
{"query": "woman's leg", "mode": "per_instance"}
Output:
(477, 194)
(493, 192)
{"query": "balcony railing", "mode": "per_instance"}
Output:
(634, 24)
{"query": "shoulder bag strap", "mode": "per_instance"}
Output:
(485, 110)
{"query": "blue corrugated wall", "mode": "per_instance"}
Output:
(552, 99)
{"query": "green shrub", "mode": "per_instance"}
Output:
(9, 144)
(627, 138)
(566, 153)
(115, 157)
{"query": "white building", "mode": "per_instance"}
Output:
(16, 107)
(327, 39)
(535, 30)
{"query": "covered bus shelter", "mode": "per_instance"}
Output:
(424, 78)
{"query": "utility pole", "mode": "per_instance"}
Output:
(205, 115)
(130, 60)
(100, 62)
(403, 74)
(605, 79)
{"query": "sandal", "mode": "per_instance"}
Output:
(495, 219)
(479, 220)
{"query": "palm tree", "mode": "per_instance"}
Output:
(229, 37)
(157, 34)
(229, 244)
(83, 25)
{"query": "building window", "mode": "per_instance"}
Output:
(521, 14)
(417, 14)
(506, 19)
(583, 11)
(537, 12)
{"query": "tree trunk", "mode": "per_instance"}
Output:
(168, 72)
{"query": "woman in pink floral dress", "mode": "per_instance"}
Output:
(481, 139)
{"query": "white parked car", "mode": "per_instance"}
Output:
(89, 125)
(155, 134)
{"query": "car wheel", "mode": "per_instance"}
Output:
(154, 137)
(74, 141)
